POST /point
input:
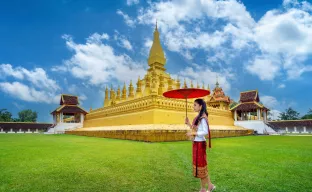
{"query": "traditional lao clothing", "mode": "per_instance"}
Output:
(199, 147)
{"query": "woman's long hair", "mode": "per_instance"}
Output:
(203, 110)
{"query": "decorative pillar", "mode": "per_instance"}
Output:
(258, 114)
(81, 118)
(304, 129)
(286, 129)
(61, 120)
(295, 129)
(235, 115)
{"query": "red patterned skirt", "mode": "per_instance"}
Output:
(200, 159)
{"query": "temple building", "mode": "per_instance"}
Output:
(218, 99)
(250, 113)
(143, 107)
(69, 115)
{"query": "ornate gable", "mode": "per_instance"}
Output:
(69, 100)
(249, 96)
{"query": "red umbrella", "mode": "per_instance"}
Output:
(187, 93)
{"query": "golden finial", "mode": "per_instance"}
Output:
(192, 84)
(185, 85)
(131, 91)
(217, 83)
(118, 93)
(124, 92)
(197, 85)
(203, 87)
(178, 83)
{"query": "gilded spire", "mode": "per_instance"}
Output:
(203, 87)
(106, 100)
(217, 83)
(118, 94)
(185, 85)
(138, 92)
(208, 88)
(131, 90)
(178, 83)
(106, 92)
(156, 54)
(192, 84)
(124, 92)
(111, 95)
(197, 85)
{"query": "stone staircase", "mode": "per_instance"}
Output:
(257, 125)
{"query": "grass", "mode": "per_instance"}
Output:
(30, 162)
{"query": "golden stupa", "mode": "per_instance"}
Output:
(144, 114)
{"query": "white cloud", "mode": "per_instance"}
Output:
(41, 88)
(37, 77)
(269, 101)
(126, 44)
(18, 106)
(59, 68)
(204, 74)
(288, 3)
(98, 62)
(274, 114)
(174, 16)
(264, 67)
(281, 86)
(7, 70)
(132, 2)
(280, 35)
(83, 97)
(128, 20)
(122, 41)
(286, 35)
(306, 6)
(26, 93)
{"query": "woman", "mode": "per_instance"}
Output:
(200, 129)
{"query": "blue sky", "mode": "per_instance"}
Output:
(79, 47)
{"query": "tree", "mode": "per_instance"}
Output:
(289, 114)
(5, 116)
(233, 104)
(27, 116)
(308, 115)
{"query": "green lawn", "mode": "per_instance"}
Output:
(74, 163)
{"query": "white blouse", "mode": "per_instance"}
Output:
(202, 130)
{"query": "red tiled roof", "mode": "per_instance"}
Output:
(249, 96)
(248, 106)
(70, 109)
(218, 95)
(69, 100)
(291, 123)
